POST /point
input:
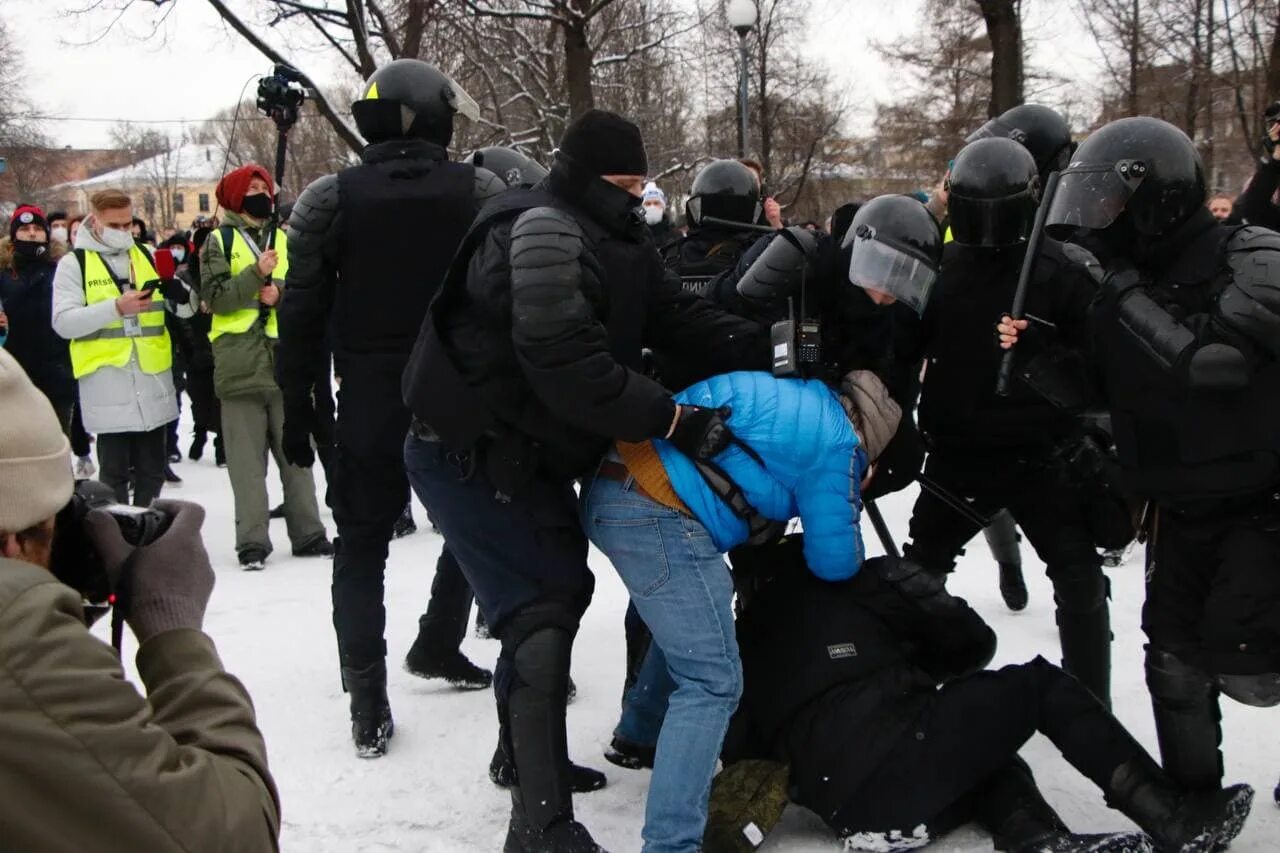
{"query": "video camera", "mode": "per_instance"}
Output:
(281, 95)
(77, 563)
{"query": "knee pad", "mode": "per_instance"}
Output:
(1185, 702)
(1261, 690)
(1080, 589)
(541, 662)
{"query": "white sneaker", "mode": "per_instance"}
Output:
(83, 469)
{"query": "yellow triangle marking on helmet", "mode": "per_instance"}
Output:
(372, 94)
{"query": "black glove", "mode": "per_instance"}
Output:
(299, 423)
(701, 433)
(175, 290)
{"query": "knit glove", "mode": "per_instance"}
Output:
(169, 581)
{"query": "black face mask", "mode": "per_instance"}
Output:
(257, 205)
(25, 251)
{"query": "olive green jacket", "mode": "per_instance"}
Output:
(86, 763)
(243, 363)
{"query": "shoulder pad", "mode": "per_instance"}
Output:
(316, 207)
(546, 222)
(487, 184)
(1251, 238)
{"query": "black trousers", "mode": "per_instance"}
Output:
(442, 627)
(133, 461)
(80, 437)
(970, 733)
(206, 411)
(1213, 587)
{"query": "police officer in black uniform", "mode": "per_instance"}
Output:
(525, 371)
(367, 247)
(998, 451)
(1186, 327)
(723, 207)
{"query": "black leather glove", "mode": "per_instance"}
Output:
(701, 433)
(175, 290)
(299, 424)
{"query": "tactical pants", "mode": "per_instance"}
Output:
(1052, 515)
(367, 492)
(942, 768)
(1212, 617)
(252, 427)
(133, 460)
(206, 412)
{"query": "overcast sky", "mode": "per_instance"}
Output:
(196, 66)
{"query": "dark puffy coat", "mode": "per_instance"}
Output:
(1256, 204)
(866, 645)
(959, 407)
(26, 293)
(569, 395)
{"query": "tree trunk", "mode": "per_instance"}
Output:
(1273, 63)
(1135, 58)
(577, 59)
(1191, 107)
(1004, 30)
(1210, 160)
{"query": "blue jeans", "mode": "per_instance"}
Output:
(683, 591)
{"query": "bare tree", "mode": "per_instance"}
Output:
(1121, 29)
(29, 164)
(1004, 31)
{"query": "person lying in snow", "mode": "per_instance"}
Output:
(872, 689)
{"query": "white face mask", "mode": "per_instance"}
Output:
(117, 240)
(178, 254)
(58, 233)
(653, 214)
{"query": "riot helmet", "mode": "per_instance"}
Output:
(725, 190)
(513, 168)
(1039, 129)
(895, 248)
(993, 192)
(410, 99)
(1142, 167)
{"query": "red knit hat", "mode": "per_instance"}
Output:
(26, 215)
(233, 186)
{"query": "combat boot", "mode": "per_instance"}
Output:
(1178, 821)
(371, 724)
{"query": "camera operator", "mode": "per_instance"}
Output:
(1257, 204)
(87, 763)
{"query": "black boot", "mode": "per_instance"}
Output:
(1013, 589)
(405, 525)
(632, 756)
(197, 447)
(219, 452)
(1178, 821)
(1086, 648)
(452, 666)
(1002, 538)
(371, 724)
(1010, 806)
(1185, 701)
(563, 835)
(582, 780)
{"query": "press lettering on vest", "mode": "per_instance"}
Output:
(842, 650)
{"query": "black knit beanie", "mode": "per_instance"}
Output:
(605, 143)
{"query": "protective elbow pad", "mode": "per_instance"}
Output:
(1164, 338)
(1250, 304)
(781, 268)
(546, 274)
(315, 209)
(1261, 690)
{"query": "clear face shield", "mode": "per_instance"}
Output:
(1093, 197)
(874, 265)
(462, 103)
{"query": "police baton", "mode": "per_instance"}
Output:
(882, 529)
(737, 226)
(1024, 277)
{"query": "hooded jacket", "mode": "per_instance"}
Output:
(88, 764)
(243, 363)
(812, 466)
(112, 399)
(26, 292)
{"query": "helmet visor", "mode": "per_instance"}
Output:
(1092, 197)
(991, 222)
(874, 265)
(460, 101)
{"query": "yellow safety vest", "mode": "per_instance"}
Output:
(947, 238)
(112, 345)
(243, 255)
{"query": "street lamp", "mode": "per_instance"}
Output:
(742, 17)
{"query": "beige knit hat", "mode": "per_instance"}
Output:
(35, 457)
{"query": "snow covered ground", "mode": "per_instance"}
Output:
(431, 792)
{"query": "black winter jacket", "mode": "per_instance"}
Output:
(866, 648)
(959, 408)
(26, 293)
(1255, 205)
(571, 393)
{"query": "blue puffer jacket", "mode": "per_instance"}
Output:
(812, 466)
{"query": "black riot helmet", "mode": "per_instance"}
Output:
(512, 167)
(1143, 167)
(993, 192)
(1039, 129)
(895, 248)
(410, 99)
(725, 190)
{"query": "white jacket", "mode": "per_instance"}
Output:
(112, 399)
